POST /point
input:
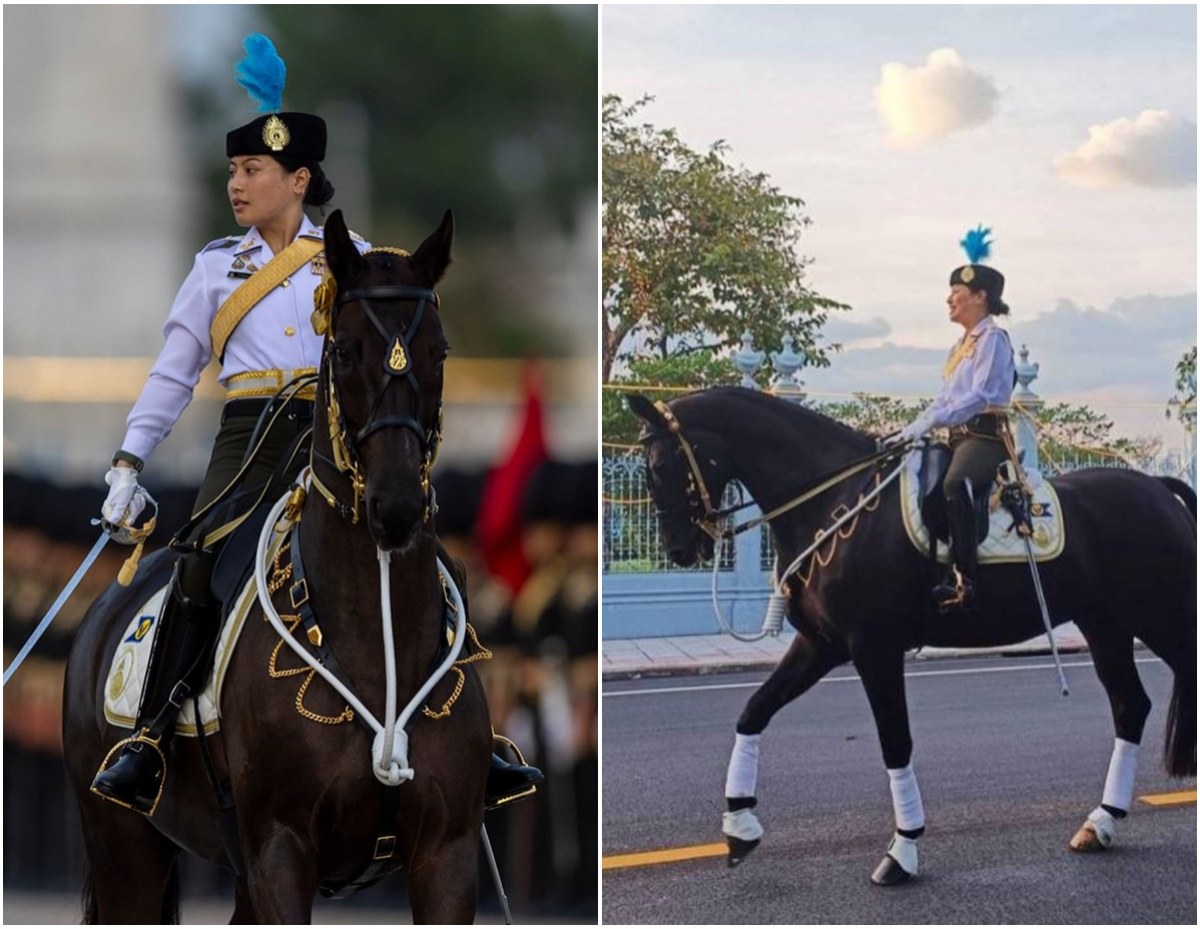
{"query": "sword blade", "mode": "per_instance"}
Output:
(1041, 598)
(56, 606)
(491, 857)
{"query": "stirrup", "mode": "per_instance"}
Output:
(137, 804)
(528, 790)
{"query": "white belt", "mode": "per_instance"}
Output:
(268, 383)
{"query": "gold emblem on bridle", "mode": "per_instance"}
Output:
(398, 359)
(967, 274)
(275, 134)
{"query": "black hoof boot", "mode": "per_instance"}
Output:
(739, 849)
(889, 873)
(135, 779)
(508, 782)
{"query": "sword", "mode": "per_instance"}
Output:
(56, 606)
(491, 857)
(1041, 598)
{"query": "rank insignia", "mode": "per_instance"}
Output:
(318, 263)
(239, 263)
(251, 266)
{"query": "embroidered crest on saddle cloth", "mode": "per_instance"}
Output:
(1002, 544)
(123, 688)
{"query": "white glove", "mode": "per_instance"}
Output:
(126, 499)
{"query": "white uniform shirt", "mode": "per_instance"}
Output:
(276, 334)
(983, 378)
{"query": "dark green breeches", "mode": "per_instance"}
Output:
(975, 457)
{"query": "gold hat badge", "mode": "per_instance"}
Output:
(967, 274)
(275, 134)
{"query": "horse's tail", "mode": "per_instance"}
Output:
(1182, 491)
(91, 909)
(170, 902)
(1179, 752)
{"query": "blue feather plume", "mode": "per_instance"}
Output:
(976, 244)
(262, 72)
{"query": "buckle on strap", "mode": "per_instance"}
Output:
(385, 847)
(300, 586)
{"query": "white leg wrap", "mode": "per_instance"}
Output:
(742, 825)
(906, 801)
(904, 851)
(1103, 824)
(1122, 767)
(742, 778)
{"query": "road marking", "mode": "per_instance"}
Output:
(855, 677)
(662, 856)
(717, 849)
(1178, 798)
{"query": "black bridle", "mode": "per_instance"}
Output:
(397, 363)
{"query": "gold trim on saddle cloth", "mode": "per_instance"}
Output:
(268, 384)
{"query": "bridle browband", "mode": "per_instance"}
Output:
(714, 521)
(397, 364)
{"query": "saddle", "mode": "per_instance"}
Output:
(935, 462)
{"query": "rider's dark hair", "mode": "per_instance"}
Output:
(996, 306)
(320, 190)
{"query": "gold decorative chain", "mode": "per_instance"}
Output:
(481, 655)
(279, 573)
(843, 533)
(275, 673)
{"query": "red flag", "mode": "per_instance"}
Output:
(498, 527)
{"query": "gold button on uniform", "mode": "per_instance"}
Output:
(285, 283)
(289, 331)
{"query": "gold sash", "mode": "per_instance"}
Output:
(257, 286)
(964, 349)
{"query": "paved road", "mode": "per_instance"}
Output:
(1008, 770)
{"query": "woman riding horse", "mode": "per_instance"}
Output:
(977, 387)
(247, 302)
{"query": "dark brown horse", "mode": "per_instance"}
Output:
(308, 809)
(1128, 570)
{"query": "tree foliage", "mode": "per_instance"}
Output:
(1185, 388)
(696, 251)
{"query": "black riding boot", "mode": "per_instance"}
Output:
(958, 592)
(507, 782)
(179, 664)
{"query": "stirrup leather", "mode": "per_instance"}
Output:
(504, 740)
(144, 738)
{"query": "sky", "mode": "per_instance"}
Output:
(1070, 131)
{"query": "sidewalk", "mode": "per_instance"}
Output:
(713, 654)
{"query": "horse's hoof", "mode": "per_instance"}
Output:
(739, 849)
(889, 873)
(1086, 840)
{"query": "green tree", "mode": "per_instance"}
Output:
(1070, 431)
(1183, 404)
(696, 251)
(872, 413)
(694, 371)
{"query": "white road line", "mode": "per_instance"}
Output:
(843, 680)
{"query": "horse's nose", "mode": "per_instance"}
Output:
(394, 515)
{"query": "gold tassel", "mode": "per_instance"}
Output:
(323, 299)
(129, 569)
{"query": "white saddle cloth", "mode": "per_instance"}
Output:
(123, 689)
(1002, 544)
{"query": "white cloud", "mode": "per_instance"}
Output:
(926, 103)
(1154, 150)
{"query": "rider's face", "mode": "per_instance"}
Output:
(967, 307)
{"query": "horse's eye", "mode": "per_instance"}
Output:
(339, 353)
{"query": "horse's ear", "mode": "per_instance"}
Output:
(341, 256)
(434, 254)
(646, 411)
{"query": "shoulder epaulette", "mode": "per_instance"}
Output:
(228, 242)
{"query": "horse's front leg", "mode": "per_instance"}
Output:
(1112, 656)
(281, 878)
(882, 673)
(443, 883)
(806, 662)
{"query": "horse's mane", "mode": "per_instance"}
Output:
(792, 415)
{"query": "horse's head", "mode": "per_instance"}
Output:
(687, 474)
(379, 403)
